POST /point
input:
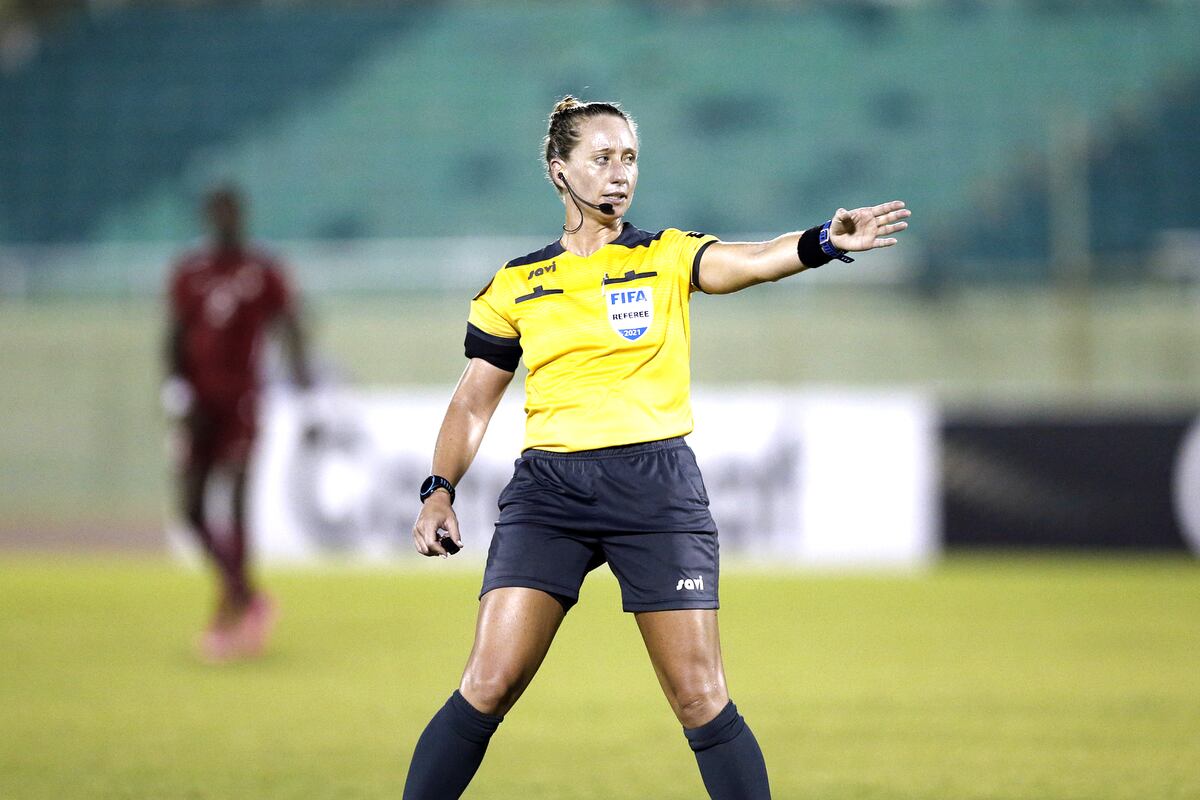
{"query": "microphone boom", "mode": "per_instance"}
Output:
(603, 208)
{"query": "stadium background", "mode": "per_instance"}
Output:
(1047, 297)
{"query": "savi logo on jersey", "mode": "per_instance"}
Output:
(630, 311)
(540, 271)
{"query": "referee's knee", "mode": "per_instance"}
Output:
(700, 706)
(493, 693)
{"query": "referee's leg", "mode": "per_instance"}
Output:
(685, 648)
(512, 635)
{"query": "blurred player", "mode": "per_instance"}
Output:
(223, 300)
(601, 319)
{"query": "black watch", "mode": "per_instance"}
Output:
(432, 484)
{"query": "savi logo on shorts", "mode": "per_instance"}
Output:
(688, 583)
(630, 311)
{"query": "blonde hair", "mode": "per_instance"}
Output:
(566, 120)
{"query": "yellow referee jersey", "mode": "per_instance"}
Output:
(606, 338)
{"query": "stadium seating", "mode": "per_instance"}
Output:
(425, 120)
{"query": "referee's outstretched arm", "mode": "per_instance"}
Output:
(729, 266)
(471, 408)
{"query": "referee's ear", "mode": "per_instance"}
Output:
(556, 175)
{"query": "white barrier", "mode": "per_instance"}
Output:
(829, 478)
(1186, 488)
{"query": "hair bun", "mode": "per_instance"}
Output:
(566, 104)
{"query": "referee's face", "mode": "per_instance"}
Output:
(603, 167)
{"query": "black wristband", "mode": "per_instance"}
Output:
(809, 248)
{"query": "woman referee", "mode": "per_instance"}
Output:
(601, 318)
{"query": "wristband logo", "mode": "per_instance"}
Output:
(630, 311)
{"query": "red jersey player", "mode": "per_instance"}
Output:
(223, 300)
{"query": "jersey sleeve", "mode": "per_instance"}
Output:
(491, 334)
(691, 246)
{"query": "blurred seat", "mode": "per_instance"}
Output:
(374, 122)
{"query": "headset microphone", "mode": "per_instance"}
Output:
(603, 208)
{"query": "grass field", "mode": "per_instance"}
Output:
(1047, 678)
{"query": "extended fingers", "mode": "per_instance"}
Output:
(889, 219)
(870, 227)
(892, 216)
(887, 208)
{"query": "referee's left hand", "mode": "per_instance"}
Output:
(868, 227)
(436, 515)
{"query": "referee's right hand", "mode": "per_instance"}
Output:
(436, 515)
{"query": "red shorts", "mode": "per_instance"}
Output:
(222, 433)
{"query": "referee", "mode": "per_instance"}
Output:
(601, 318)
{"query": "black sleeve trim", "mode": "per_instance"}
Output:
(498, 351)
(696, 265)
(809, 248)
(502, 341)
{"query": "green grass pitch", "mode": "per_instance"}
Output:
(1045, 678)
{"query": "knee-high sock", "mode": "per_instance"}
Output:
(449, 751)
(730, 760)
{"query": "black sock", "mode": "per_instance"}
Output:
(730, 760)
(449, 751)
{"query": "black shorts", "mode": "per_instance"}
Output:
(641, 508)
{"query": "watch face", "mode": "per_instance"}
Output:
(432, 484)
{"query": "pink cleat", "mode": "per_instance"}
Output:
(254, 628)
(218, 645)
